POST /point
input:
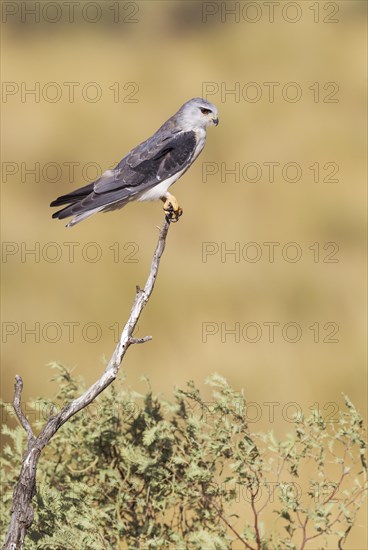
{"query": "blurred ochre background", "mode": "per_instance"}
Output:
(169, 55)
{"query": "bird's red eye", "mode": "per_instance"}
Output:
(205, 111)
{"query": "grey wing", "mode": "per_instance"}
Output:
(144, 167)
(150, 163)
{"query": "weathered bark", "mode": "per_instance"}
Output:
(22, 511)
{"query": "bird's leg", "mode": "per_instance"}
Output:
(171, 207)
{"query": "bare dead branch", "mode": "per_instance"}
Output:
(22, 510)
(18, 388)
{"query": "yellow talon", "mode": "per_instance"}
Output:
(171, 208)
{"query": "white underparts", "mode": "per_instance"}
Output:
(159, 190)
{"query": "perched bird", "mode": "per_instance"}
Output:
(147, 172)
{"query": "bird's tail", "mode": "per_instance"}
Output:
(80, 217)
(84, 202)
(74, 196)
(72, 199)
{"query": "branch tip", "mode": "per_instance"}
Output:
(140, 340)
(18, 387)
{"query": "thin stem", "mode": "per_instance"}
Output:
(238, 536)
(255, 514)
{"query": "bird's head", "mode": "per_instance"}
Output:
(198, 113)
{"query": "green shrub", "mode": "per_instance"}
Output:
(136, 471)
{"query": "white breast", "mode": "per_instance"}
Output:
(160, 189)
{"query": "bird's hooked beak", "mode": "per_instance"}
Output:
(215, 121)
